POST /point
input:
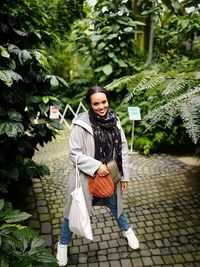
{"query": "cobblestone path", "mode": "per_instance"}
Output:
(162, 204)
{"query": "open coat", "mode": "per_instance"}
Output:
(82, 147)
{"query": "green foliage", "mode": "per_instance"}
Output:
(169, 103)
(60, 14)
(105, 39)
(112, 40)
(26, 86)
(177, 33)
(19, 245)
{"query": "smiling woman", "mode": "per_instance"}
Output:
(95, 140)
(98, 101)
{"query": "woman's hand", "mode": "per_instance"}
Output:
(102, 170)
(124, 186)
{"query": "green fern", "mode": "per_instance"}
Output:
(187, 106)
(175, 86)
(119, 83)
(189, 112)
(144, 84)
(179, 97)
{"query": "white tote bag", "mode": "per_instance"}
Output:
(79, 219)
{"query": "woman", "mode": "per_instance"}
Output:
(96, 139)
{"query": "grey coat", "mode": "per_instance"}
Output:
(81, 143)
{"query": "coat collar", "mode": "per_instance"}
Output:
(82, 119)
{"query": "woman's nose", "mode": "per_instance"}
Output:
(101, 106)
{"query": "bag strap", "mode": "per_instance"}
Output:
(78, 180)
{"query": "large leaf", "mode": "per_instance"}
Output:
(107, 69)
(14, 49)
(53, 80)
(14, 216)
(12, 129)
(4, 52)
(20, 33)
(37, 242)
(24, 56)
(128, 29)
(5, 77)
(62, 81)
(1, 203)
(14, 75)
(46, 99)
(14, 115)
(44, 108)
(39, 55)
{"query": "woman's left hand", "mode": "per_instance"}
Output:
(124, 186)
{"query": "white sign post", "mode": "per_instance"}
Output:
(134, 115)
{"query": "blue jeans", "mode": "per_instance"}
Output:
(110, 202)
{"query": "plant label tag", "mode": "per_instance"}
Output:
(54, 112)
(134, 113)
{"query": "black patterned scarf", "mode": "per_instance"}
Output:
(103, 127)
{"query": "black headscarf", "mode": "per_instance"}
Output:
(103, 128)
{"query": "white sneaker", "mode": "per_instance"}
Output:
(61, 255)
(132, 239)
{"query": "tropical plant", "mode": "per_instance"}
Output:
(19, 245)
(106, 40)
(164, 99)
(25, 93)
(59, 15)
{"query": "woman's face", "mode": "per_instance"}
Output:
(99, 103)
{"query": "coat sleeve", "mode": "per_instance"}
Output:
(82, 150)
(125, 157)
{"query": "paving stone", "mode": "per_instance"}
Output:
(44, 217)
(145, 253)
(42, 210)
(41, 203)
(115, 264)
(45, 228)
(168, 259)
(84, 248)
(93, 259)
(126, 262)
(147, 261)
(113, 256)
(56, 231)
(112, 243)
(103, 245)
(83, 258)
(104, 264)
(137, 262)
(157, 260)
